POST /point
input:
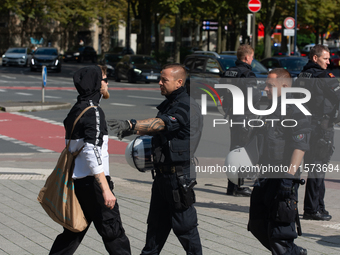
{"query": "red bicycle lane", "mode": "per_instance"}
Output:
(42, 134)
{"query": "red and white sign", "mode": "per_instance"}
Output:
(254, 5)
(289, 23)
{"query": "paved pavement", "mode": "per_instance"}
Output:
(26, 229)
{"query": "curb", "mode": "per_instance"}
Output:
(29, 106)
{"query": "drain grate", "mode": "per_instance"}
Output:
(22, 176)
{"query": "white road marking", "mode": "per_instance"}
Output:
(129, 105)
(24, 94)
(29, 145)
(51, 97)
(152, 98)
(3, 90)
(8, 77)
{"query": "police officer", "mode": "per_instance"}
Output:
(324, 105)
(273, 203)
(243, 77)
(177, 130)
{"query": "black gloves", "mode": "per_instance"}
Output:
(122, 134)
(119, 125)
(122, 127)
(285, 189)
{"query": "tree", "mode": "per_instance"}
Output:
(109, 13)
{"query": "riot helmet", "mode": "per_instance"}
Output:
(241, 162)
(138, 153)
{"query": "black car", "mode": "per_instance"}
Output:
(48, 57)
(110, 60)
(138, 68)
(294, 65)
(210, 66)
(80, 54)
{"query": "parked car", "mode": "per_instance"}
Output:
(138, 68)
(48, 57)
(122, 51)
(294, 65)
(334, 50)
(80, 54)
(110, 60)
(17, 56)
(210, 66)
(334, 61)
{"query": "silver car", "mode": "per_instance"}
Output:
(16, 56)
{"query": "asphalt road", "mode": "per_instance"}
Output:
(138, 100)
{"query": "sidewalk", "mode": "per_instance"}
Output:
(26, 229)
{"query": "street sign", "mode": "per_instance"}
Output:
(288, 32)
(254, 5)
(209, 25)
(289, 23)
(44, 75)
(44, 80)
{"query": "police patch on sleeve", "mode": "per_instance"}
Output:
(331, 75)
(172, 118)
(298, 138)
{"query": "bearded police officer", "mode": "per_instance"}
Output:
(273, 204)
(324, 106)
(176, 132)
(243, 77)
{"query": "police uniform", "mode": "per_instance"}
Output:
(239, 134)
(172, 198)
(268, 214)
(324, 105)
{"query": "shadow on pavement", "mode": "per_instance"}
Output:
(224, 206)
(331, 241)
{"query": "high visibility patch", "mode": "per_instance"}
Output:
(298, 138)
(331, 75)
(172, 118)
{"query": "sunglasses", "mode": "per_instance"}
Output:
(105, 79)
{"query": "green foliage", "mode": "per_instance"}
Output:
(259, 49)
(161, 56)
(304, 39)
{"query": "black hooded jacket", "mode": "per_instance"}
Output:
(91, 129)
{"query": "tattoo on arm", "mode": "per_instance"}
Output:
(96, 176)
(150, 125)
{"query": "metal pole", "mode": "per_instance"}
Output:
(208, 40)
(42, 85)
(295, 28)
(253, 41)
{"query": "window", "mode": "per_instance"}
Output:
(199, 65)
(212, 64)
(188, 63)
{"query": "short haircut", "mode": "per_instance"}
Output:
(283, 75)
(317, 50)
(243, 50)
(178, 72)
(103, 68)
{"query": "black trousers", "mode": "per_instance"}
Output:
(315, 186)
(107, 222)
(163, 216)
(277, 237)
